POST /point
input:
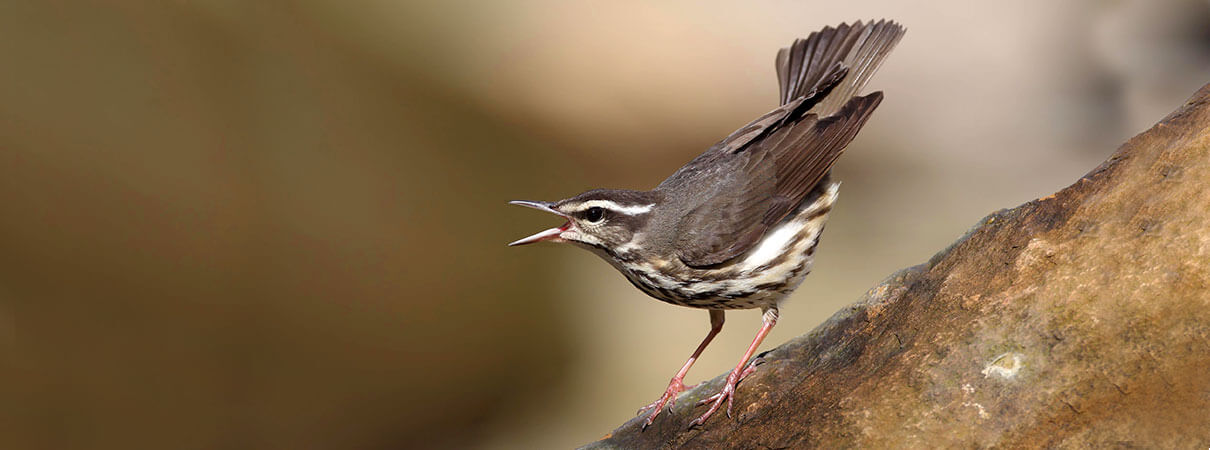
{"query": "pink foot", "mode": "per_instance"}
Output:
(727, 393)
(676, 386)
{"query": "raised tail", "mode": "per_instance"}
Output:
(860, 48)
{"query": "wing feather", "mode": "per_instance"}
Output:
(754, 178)
(779, 172)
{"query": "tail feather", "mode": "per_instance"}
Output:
(861, 48)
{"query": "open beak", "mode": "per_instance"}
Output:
(544, 235)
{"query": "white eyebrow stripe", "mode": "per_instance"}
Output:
(610, 205)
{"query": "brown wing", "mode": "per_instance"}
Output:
(766, 182)
(760, 173)
(723, 154)
(731, 172)
(730, 216)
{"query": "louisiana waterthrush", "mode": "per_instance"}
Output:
(737, 227)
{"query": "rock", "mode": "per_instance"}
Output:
(1081, 319)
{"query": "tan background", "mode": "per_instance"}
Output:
(282, 225)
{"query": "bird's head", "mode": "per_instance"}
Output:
(602, 219)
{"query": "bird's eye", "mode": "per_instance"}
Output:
(594, 214)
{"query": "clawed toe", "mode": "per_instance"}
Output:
(726, 393)
(675, 387)
(716, 401)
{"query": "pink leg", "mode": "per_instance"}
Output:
(728, 391)
(677, 384)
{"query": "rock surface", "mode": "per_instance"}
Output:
(1081, 319)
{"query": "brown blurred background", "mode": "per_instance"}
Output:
(282, 224)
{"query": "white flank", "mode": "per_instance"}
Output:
(773, 245)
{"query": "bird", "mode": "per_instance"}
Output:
(737, 227)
